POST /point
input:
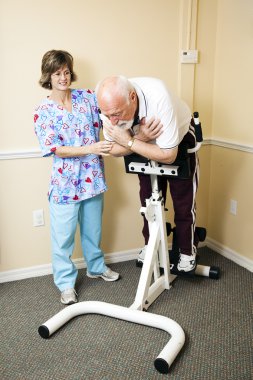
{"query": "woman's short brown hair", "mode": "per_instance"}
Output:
(52, 61)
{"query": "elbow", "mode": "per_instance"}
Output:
(170, 156)
(168, 161)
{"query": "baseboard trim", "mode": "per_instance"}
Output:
(230, 254)
(111, 258)
(46, 269)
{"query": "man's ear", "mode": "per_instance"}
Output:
(133, 96)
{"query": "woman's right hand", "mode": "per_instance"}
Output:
(101, 148)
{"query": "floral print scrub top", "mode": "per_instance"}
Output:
(77, 178)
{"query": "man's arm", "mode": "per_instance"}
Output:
(153, 152)
(147, 131)
(148, 150)
(119, 150)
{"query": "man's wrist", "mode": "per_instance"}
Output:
(130, 143)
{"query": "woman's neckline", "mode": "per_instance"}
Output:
(66, 105)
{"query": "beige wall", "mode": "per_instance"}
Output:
(233, 82)
(231, 178)
(105, 37)
(231, 169)
(135, 37)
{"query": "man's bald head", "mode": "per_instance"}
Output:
(117, 99)
(114, 87)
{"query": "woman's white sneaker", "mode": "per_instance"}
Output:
(108, 275)
(68, 296)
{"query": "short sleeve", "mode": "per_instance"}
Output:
(48, 137)
(169, 138)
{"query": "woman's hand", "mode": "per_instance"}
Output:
(101, 148)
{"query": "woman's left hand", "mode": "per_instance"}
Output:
(101, 148)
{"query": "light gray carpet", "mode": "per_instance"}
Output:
(216, 316)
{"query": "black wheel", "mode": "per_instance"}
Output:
(139, 264)
(161, 365)
(168, 228)
(201, 232)
(214, 273)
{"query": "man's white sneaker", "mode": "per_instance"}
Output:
(108, 275)
(141, 255)
(68, 296)
(186, 263)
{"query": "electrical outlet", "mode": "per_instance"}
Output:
(38, 218)
(233, 206)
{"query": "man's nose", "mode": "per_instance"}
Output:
(114, 120)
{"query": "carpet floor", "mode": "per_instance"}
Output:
(216, 316)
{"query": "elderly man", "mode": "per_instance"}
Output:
(142, 116)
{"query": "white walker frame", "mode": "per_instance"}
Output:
(151, 284)
(167, 355)
(156, 255)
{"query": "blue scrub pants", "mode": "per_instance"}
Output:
(64, 219)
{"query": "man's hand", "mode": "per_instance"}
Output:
(149, 130)
(118, 134)
(145, 131)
